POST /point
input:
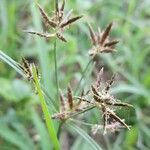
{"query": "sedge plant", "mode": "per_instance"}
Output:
(74, 102)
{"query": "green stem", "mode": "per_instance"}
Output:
(47, 116)
(83, 75)
(56, 68)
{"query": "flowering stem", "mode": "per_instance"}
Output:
(56, 68)
(83, 75)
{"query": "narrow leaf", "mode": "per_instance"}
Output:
(85, 136)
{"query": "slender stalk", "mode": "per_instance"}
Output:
(56, 68)
(83, 75)
(47, 116)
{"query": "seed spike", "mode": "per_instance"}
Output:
(26, 68)
(111, 43)
(108, 50)
(57, 7)
(96, 95)
(63, 5)
(70, 97)
(118, 104)
(61, 37)
(106, 33)
(41, 34)
(92, 35)
(107, 88)
(70, 21)
(25, 63)
(46, 18)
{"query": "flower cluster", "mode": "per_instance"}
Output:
(101, 41)
(97, 96)
(58, 22)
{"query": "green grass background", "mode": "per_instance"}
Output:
(21, 121)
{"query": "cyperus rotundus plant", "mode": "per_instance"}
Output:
(72, 105)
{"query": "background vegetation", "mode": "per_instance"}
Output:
(21, 119)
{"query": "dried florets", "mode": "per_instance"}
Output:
(68, 107)
(26, 67)
(58, 22)
(106, 103)
(101, 41)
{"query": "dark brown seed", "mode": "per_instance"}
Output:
(105, 33)
(70, 21)
(92, 35)
(46, 18)
(70, 98)
(111, 43)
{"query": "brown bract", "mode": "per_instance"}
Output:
(101, 41)
(106, 103)
(58, 22)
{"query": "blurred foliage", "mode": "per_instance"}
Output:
(21, 126)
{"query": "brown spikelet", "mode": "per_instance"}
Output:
(62, 102)
(26, 69)
(107, 50)
(119, 104)
(92, 35)
(70, 21)
(111, 43)
(41, 34)
(57, 7)
(25, 63)
(95, 94)
(70, 97)
(105, 33)
(61, 37)
(46, 18)
(62, 6)
(99, 78)
(109, 84)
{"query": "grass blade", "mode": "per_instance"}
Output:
(13, 137)
(46, 113)
(11, 62)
